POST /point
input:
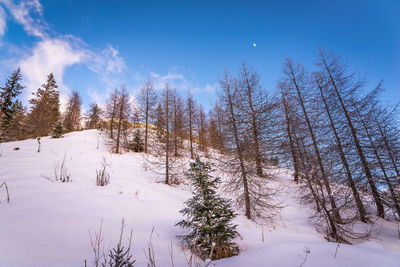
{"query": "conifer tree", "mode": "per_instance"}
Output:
(209, 217)
(138, 145)
(58, 130)
(45, 110)
(120, 257)
(9, 105)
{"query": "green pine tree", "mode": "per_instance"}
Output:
(9, 104)
(138, 145)
(209, 217)
(58, 130)
(120, 257)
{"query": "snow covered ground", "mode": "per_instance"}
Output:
(47, 223)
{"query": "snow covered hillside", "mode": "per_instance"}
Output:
(47, 223)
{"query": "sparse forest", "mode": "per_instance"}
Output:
(336, 137)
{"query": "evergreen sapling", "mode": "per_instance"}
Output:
(209, 216)
(138, 145)
(57, 131)
(120, 257)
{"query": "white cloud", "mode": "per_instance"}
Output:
(2, 22)
(56, 53)
(49, 56)
(174, 78)
(28, 13)
(106, 64)
(210, 88)
(207, 89)
(179, 81)
(97, 97)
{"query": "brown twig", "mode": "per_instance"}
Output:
(8, 195)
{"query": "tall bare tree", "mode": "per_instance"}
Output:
(94, 116)
(344, 86)
(177, 121)
(190, 111)
(321, 85)
(289, 133)
(227, 97)
(146, 100)
(254, 108)
(123, 112)
(161, 157)
(202, 129)
(112, 110)
(216, 129)
(72, 118)
(298, 79)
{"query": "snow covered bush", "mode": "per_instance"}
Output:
(209, 217)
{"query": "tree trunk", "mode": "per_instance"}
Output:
(239, 153)
(308, 179)
(167, 137)
(388, 149)
(120, 119)
(350, 180)
(190, 127)
(289, 132)
(374, 190)
(385, 176)
(146, 132)
(257, 154)
(316, 150)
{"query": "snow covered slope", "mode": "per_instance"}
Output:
(46, 223)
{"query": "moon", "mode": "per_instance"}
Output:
(254, 44)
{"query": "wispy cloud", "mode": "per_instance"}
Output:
(56, 53)
(28, 13)
(2, 21)
(97, 97)
(106, 64)
(208, 88)
(174, 78)
(180, 81)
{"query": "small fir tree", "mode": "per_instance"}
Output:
(209, 217)
(137, 142)
(120, 257)
(57, 131)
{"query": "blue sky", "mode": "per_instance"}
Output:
(95, 46)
